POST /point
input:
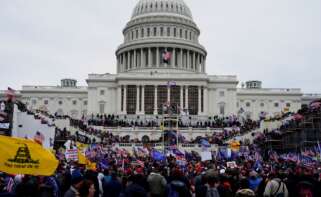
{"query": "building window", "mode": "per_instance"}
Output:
(174, 32)
(202, 99)
(85, 102)
(248, 104)
(60, 102)
(155, 31)
(74, 102)
(46, 102)
(161, 98)
(262, 104)
(180, 33)
(161, 31)
(276, 104)
(136, 33)
(101, 108)
(34, 102)
(132, 35)
(149, 99)
(190, 35)
(142, 33)
(168, 31)
(131, 99)
(122, 98)
(222, 93)
(222, 109)
(102, 92)
(148, 32)
(140, 98)
(186, 34)
(288, 105)
(193, 100)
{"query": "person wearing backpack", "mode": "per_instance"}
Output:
(275, 188)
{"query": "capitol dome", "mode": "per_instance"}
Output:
(161, 35)
(173, 7)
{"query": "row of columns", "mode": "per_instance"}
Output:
(143, 58)
(140, 100)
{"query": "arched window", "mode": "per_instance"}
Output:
(248, 104)
(155, 31)
(148, 32)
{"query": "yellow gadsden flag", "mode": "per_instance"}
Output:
(23, 156)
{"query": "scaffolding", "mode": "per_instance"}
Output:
(170, 121)
(299, 136)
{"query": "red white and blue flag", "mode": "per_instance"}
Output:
(167, 57)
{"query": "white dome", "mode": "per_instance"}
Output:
(175, 7)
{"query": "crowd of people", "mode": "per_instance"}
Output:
(146, 172)
(143, 173)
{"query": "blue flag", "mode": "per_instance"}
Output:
(158, 156)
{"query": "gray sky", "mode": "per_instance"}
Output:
(276, 41)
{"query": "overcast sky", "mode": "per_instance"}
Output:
(275, 41)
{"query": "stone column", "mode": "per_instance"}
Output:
(173, 58)
(125, 99)
(118, 63)
(205, 101)
(142, 58)
(197, 62)
(143, 100)
(157, 57)
(155, 101)
(137, 99)
(128, 60)
(181, 62)
(188, 60)
(168, 94)
(134, 63)
(149, 57)
(121, 62)
(186, 97)
(181, 97)
(194, 61)
(119, 100)
(199, 100)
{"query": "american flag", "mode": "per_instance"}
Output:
(39, 138)
(167, 56)
(141, 163)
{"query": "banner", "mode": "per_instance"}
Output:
(206, 156)
(71, 154)
(23, 156)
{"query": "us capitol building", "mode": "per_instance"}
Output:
(161, 61)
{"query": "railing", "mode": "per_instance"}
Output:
(53, 88)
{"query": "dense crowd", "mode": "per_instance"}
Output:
(143, 173)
